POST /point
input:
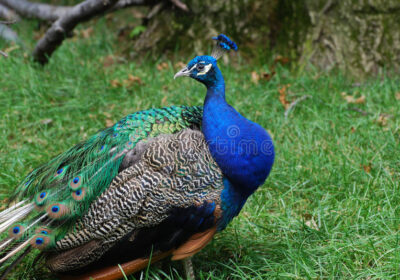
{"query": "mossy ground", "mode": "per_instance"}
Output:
(330, 208)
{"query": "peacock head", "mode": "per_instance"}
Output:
(204, 68)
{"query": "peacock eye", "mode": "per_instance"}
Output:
(200, 67)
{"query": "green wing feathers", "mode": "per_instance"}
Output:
(54, 196)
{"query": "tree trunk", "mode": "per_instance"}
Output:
(360, 37)
(257, 26)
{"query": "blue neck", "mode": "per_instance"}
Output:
(242, 149)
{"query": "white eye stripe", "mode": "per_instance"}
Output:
(205, 70)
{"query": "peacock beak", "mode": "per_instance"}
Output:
(182, 73)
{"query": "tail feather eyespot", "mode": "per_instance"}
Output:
(57, 210)
(79, 194)
(43, 231)
(60, 172)
(41, 198)
(75, 183)
(16, 231)
(40, 241)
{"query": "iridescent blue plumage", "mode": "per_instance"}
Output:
(242, 149)
(225, 42)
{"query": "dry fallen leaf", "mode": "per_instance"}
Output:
(352, 130)
(162, 66)
(267, 76)
(382, 120)
(255, 77)
(282, 96)
(352, 100)
(132, 80)
(109, 123)
(367, 168)
(115, 83)
(86, 33)
(360, 100)
(312, 224)
(397, 95)
(4, 203)
(164, 101)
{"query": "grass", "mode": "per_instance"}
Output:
(330, 208)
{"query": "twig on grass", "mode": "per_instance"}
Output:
(294, 103)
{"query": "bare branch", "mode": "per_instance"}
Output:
(7, 33)
(294, 103)
(36, 10)
(65, 24)
(3, 54)
(129, 3)
(7, 14)
(362, 112)
(180, 5)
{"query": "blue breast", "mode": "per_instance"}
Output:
(242, 149)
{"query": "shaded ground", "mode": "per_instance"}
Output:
(331, 205)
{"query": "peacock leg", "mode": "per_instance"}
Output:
(188, 266)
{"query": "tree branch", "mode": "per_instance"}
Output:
(180, 5)
(36, 10)
(65, 24)
(7, 33)
(294, 103)
(129, 3)
(7, 14)
(49, 12)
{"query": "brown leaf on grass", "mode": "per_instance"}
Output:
(255, 77)
(264, 76)
(397, 95)
(108, 61)
(282, 96)
(109, 122)
(382, 120)
(312, 224)
(267, 76)
(367, 168)
(132, 80)
(86, 33)
(115, 83)
(360, 100)
(281, 59)
(352, 129)
(3, 204)
(164, 101)
(352, 100)
(162, 66)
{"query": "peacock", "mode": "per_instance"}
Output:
(158, 184)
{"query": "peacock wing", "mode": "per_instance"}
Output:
(53, 197)
(168, 202)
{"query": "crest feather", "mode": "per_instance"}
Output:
(223, 45)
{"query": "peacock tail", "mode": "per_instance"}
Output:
(51, 200)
